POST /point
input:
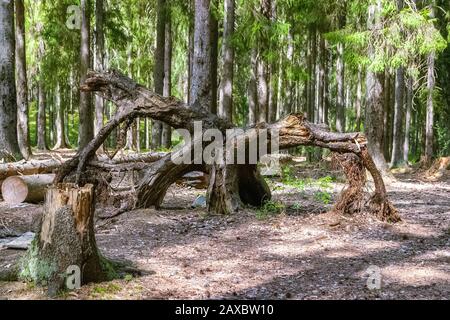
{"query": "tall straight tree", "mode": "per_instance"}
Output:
(200, 91)
(99, 60)
(409, 106)
(398, 136)
(226, 83)
(59, 122)
(9, 149)
(374, 107)
(158, 72)
(21, 82)
(166, 129)
(42, 99)
(214, 45)
(431, 84)
(340, 79)
(86, 132)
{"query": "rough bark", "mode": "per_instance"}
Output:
(166, 139)
(61, 142)
(226, 84)
(340, 101)
(200, 91)
(99, 61)
(374, 112)
(214, 51)
(229, 184)
(158, 71)
(431, 84)
(409, 106)
(86, 132)
(398, 136)
(21, 82)
(66, 238)
(9, 149)
(252, 91)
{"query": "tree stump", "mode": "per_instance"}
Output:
(66, 239)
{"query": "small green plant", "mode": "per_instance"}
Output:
(270, 208)
(128, 277)
(323, 196)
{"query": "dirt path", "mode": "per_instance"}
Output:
(301, 254)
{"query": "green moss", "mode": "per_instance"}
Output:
(110, 268)
(34, 269)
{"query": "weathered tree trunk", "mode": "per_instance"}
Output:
(252, 91)
(358, 103)
(231, 186)
(66, 239)
(166, 129)
(99, 61)
(409, 106)
(340, 76)
(158, 72)
(21, 82)
(9, 149)
(374, 113)
(201, 65)
(30, 189)
(226, 84)
(86, 132)
(397, 147)
(214, 51)
(429, 122)
(60, 126)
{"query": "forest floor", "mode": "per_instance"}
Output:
(302, 253)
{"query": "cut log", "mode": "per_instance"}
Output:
(30, 189)
(122, 162)
(66, 239)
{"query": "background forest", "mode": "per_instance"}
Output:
(382, 67)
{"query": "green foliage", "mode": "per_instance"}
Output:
(33, 268)
(270, 209)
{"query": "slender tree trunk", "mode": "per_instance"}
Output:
(312, 79)
(41, 116)
(158, 75)
(374, 108)
(201, 65)
(358, 104)
(214, 44)
(9, 149)
(21, 82)
(226, 84)
(60, 127)
(99, 61)
(409, 106)
(321, 80)
(397, 147)
(398, 136)
(166, 129)
(340, 101)
(252, 91)
(86, 132)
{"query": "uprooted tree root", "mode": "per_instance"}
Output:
(353, 199)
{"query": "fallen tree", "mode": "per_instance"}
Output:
(231, 186)
(32, 167)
